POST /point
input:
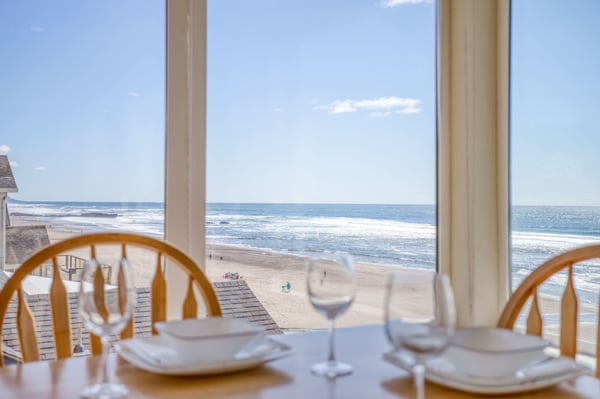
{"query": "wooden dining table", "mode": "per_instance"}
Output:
(285, 378)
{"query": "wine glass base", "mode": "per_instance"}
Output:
(105, 391)
(331, 369)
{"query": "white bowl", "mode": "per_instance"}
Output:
(209, 339)
(494, 352)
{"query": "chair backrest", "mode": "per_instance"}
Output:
(568, 305)
(59, 302)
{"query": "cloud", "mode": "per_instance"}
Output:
(396, 3)
(379, 107)
(134, 94)
(277, 110)
(4, 149)
(13, 164)
(37, 29)
(40, 168)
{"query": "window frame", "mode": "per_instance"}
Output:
(472, 147)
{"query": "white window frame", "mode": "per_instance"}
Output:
(185, 159)
(473, 166)
(473, 200)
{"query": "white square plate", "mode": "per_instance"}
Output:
(153, 355)
(442, 372)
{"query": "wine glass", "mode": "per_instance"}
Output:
(419, 319)
(331, 284)
(105, 311)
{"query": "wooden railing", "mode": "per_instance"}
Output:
(72, 264)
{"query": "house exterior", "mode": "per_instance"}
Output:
(7, 185)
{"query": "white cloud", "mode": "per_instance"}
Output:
(4, 149)
(134, 94)
(341, 107)
(13, 164)
(277, 110)
(41, 168)
(379, 107)
(395, 3)
(37, 29)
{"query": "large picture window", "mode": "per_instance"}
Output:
(82, 116)
(320, 138)
(554, 130)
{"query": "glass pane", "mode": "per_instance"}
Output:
(554, 140)
(321, 138)
(82, 116)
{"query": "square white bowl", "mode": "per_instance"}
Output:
(494, 352)
(210, 339)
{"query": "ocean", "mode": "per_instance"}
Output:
(395, 235)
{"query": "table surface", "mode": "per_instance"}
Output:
(284, 378)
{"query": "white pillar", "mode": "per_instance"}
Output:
(185, 190)
(473, 155)
(2, 230)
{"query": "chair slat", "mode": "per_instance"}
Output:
(99, 296)
(61, 320)
(568, 319)
(190, 306)
(159, 295)
(122, 292)
(26, 329)
(95, 342)
(534, 320)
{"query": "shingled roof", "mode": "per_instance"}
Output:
(23, 241)
(236, 299)
(7, 180)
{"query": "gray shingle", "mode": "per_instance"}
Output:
(248, 308)
(7, 180)
(23, 241)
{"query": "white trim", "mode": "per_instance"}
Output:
(186, 138)
(473, 155)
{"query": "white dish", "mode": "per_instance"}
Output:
(210, 339)
(544, 374)
(494, 352)
(264, 351)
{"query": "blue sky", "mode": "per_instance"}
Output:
(308, 101)
(555, 86)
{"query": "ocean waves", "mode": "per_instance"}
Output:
(396, 235)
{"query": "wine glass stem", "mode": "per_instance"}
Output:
(419, 379)
(331, 358)
(105, 372)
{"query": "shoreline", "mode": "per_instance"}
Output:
(265, 272)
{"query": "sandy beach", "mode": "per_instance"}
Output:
(265, 272)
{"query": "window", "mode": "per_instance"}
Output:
(554, 135)
(320, 137)
(82, 114)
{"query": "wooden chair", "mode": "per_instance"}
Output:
(58, 298)
(568, 306)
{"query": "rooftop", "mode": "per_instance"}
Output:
(7, 180)
(236, 299)
(23, 241)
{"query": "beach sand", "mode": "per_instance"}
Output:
(265, 273)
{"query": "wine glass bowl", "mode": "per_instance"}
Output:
(419, 318)
(331, 285)
(105, 310)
